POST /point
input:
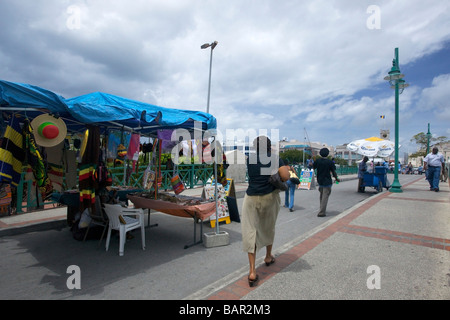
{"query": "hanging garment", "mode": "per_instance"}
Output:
(207, 157)
(87, 185)
(36, 162)
(88, 166)
(55, 166)
(12, 153)
(70, 161)
(133, 149)
(166, 137)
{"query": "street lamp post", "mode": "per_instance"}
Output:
(205, 46)
(397, 83)
(428, 139)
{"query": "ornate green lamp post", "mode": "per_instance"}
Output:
(428, 139)
(397, 83)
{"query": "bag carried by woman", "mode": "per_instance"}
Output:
(293, 176)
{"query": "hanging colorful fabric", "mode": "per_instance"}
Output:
(86, 184)
(12, 153)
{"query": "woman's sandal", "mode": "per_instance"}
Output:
(272, 261)
(253, 282)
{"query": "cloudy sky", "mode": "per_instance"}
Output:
(314, 66)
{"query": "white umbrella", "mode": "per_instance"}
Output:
(372, 147)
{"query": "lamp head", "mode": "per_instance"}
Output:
(395, 69)
(207, 45)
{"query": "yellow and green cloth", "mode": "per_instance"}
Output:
(12, 153)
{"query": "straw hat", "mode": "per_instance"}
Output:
(48, 131)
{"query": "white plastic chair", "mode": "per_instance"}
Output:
(116, 213)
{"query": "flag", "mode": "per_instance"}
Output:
(382, 117)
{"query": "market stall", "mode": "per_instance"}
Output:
(90, 117)
(177, 205)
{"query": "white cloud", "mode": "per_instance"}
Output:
(436, 98)
(279, 64)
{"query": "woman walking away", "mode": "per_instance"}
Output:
(261, 205)
(290, 192)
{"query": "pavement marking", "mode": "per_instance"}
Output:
(418, 199)
(397, 236)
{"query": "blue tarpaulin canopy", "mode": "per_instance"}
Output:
(103, 109)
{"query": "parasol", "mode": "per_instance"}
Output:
(372, 147)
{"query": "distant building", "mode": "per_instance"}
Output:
(343, 153)
(444, 148)
(312, 149)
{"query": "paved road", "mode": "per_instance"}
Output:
(34, 265)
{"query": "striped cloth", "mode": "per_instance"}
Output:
(12, 153)
(87, 183)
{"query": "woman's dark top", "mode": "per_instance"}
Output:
(259, 184)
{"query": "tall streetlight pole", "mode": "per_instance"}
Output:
(428, 139)
(205, 46)
(397, 83)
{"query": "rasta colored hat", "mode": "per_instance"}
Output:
(48, 131)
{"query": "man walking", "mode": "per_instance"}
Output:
(325, 167)
(433, 163)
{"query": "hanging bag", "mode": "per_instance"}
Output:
(293, 177)
(177, 184)
(149, 176)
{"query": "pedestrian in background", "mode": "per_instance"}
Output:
(309, 162)
(325, 168)
(290, 192)
(362, 168)
(433, 163)
(444, 174)
(260, 207)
